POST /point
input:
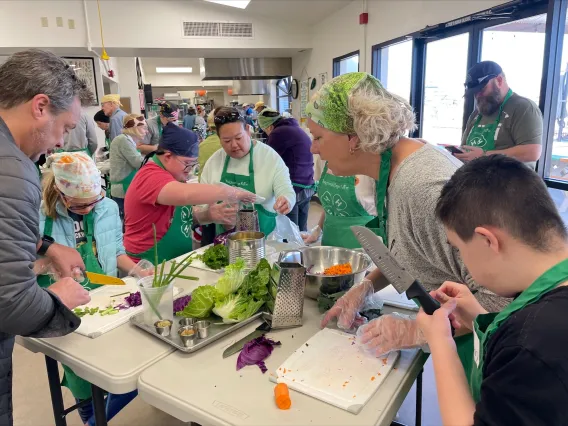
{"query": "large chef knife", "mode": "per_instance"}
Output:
(401, 280)
(261, 330)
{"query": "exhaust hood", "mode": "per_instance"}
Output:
(245, 68)
(251, 87)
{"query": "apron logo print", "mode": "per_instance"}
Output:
(477, 141)
(186, 221)
(338, 203)
(326, 197)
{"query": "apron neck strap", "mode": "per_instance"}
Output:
(88, 224)
(157, 160)
(48, 227)
(381, 193)
(324, 172)
(509, 94)
(543, 284)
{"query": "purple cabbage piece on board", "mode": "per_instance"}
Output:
(255, 352)
(180, 303)
(222, 238)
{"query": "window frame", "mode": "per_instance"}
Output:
(337, 62)
(284, 95)
(376, 60)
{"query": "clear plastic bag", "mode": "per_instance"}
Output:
(286, 230)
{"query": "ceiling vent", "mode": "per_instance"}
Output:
(217, 30)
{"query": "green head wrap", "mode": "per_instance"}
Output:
(267, 117)
(329, 107)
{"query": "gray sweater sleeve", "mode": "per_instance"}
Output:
(25, 308)
(92, 141)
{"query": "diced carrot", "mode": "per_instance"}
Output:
(342, 269)
(372, 378)
(282, 396)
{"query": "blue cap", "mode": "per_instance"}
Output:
(179, 141)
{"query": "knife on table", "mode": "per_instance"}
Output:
(261, 330)
(101, 279)
(401, 280)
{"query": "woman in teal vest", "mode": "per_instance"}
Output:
(159, 195)
(516, 372)
(244, 163)
(76, 213)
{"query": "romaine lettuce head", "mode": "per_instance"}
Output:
(232, 279)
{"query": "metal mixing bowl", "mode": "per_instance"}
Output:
(317, 259)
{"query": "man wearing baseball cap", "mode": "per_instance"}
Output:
(503, 122)
(110, 104)
(168, 114)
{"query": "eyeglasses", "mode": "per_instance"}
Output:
(186, 166)
(78, 207)
(230, 117)
(130, 123)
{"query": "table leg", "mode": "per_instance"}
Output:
(99, 406)
(419, 399)
(55, 390)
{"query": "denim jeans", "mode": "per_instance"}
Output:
(114, 403)
(299, 214)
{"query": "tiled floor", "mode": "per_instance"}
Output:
(32, 404)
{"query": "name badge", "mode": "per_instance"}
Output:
(476, 348)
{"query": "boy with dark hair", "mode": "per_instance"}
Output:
(498, 214)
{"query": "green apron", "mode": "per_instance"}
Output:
(80, 388)
(266, 219)
(177, 240)
(159, 122)
(343, 210)
(483, 136)
(485, 325)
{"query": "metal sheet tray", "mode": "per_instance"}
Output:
(216, 331)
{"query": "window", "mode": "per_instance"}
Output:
(443, 89)
(510, 45)
(393, 66)
(346, 63)
(283, 94)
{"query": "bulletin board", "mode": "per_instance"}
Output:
(85, 70)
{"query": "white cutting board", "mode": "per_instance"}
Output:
(393, 298)
(332, 368)
(96, 325)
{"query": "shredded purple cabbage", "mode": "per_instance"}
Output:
(222, 238)
(122, 307)
(255, 352)
(181, 302)
(133, 299)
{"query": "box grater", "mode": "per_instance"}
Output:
(287, 284)
(247, 218)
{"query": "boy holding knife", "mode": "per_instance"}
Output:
(499, 215)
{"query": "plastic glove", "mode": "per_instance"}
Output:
(144, 268)
(282, 205)
(223, 213)
(234, 195)
(347, 308)
(390, 333)
(312, 235)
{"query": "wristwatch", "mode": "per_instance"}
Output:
(46, 241)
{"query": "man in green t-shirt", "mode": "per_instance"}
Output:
(211, 144)
(503, 122)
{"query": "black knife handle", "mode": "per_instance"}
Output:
(427, 302)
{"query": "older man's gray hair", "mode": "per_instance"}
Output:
(33, 72)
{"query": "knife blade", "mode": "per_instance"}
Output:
(261, 330)
(101, 279)
(401, 280)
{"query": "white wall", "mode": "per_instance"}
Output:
(128, 82)
(341, 33)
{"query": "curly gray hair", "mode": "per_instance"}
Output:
(380, 118)
(32, 72)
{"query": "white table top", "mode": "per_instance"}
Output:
(114, 360)
(205, 388)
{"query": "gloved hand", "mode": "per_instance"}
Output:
(390, 333)
(233, 195)
(347, 308)
(223, 213)
(312, 235)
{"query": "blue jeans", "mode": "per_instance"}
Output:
(114, 403)
(299, 214)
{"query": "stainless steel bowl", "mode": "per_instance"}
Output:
(317, 259)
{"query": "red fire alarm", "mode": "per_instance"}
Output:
(364, 18)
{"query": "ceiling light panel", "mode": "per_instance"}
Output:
(241, 4)
(174, 70)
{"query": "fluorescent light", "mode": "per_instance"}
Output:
(178, 70)
(241, 4)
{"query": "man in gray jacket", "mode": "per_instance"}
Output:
(40, 101)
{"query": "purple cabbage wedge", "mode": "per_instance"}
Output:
(255, 352)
